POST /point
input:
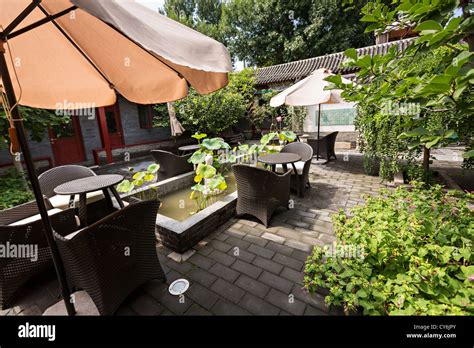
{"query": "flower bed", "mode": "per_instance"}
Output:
(410, 254)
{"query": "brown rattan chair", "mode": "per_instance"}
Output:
(326, 146)
(114, 256)
(56, 176)
(302, 167)
(16, 271)
(171, 164)
(260, 192)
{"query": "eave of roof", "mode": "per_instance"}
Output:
(297, 70)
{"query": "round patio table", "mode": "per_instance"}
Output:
(83, 186)
(188, 148)
(283, 159)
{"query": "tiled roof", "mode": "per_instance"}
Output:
(294, 71)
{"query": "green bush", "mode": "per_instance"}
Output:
(415, 255)
(13, 191)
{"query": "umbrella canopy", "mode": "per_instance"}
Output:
(72, 54)
(309, 91)
(102, 46)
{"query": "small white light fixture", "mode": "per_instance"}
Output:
(178, 287)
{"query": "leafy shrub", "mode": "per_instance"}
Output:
(416, 259)
(14, 191)
(212, 113)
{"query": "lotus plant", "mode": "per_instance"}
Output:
(140, 179)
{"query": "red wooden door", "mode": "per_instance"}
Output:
(66, 142)
(114, 125)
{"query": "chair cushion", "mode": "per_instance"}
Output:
(299, 167)
(38, 217)
(62, 201)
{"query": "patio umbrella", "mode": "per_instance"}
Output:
(72, 54)
(175, 125)
(310, 91)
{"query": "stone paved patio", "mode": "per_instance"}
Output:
(244, 268)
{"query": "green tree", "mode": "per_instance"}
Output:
(267, 32)
(435, 74)
(205, 16)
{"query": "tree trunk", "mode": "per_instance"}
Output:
(426, 159)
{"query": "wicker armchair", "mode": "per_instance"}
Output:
(260, 192)
(56, 176)
(171, 164)
(114, 256)
(14, 272)
(302, 167)
(326, 146)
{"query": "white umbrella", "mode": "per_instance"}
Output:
(310, 91)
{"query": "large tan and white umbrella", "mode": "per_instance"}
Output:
(310, 91)
(71, 54)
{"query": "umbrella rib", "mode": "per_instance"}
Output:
(62, 31)
(40, 22)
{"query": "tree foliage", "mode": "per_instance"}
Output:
(37, 121)
(434, 75)
(267, 32)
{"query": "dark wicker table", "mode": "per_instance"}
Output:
(83, 186)
(283, 159)
(188, 148)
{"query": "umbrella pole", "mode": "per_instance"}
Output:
(319, 125)
(58, 265)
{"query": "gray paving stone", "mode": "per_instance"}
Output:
(202, 296)
(227, 290)
(219, 256)
(243, 255)
(223, 307)
(197, 310)
(299, 255)
(236, 242)
(276, 282)
(258, 250)
(288, 261)
(274, 237)
(298, 245)
(253, 286)
(201, 276)
(182, 268)
(285, 302)
(258, 306)
(224, 272)
(283, 249)
(145, 304)
(267, 264)
(315, 300)
(291, 274)
(256, 240)
(234, 232)
(201, 261)
(221, 246)
(247, 268)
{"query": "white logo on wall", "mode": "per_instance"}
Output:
(37, 331)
